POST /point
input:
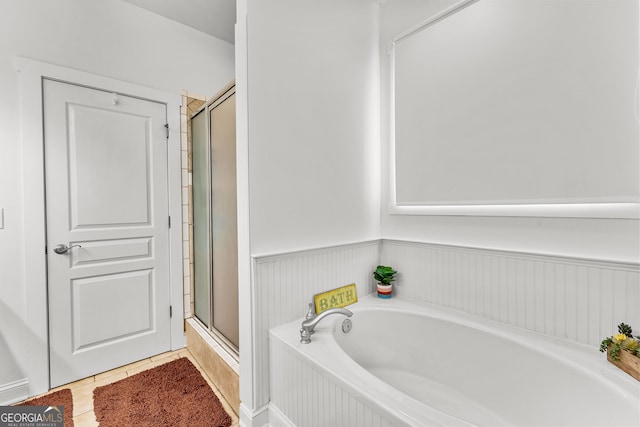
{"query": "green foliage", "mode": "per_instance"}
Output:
(384, 274)
(617, 343)
(604, 345)
(630, 345)
(615, 352)
(625, 329)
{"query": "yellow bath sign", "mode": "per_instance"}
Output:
(340, 297)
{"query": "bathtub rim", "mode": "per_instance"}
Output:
(581, 357)
(366, 386)
(592, 363)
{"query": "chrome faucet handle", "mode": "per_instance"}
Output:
(311, 313)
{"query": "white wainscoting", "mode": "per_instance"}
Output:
(306, 396)
(574, 299)
(284, 285)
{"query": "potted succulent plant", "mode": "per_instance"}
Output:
(623, 350)
(384, 275)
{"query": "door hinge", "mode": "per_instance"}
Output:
(166, 126)
(170, 311)
(46, 252)
(169, 221)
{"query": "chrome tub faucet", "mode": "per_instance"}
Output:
(309, 324)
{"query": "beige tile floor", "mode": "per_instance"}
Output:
(82, 390)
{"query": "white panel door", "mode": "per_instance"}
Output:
(107, 201)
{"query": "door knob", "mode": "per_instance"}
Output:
(63, 249)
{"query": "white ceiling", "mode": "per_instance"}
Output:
(214, 17)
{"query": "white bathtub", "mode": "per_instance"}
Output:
(406, 363)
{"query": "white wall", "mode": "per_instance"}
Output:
(313, 98)
(609, 239)
(311, 133)
(307, 88)
(516, 114)
(105, 37)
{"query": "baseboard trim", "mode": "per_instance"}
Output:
(257, 418)
(277, 418)
(13, 392)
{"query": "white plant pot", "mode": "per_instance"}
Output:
(385, 291)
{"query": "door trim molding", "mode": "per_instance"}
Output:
(31, 73)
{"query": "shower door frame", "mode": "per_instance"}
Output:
(223, 95)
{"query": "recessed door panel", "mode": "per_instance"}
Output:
(112, 307)
(114, 250)
(109, 156)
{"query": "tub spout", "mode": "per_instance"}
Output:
(309, 324)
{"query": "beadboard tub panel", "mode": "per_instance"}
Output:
(307, 396)
(569, 298)
(284, 285)
(574, 299)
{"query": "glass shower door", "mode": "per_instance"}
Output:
(224, 219)
(215, 240)
(201, 191)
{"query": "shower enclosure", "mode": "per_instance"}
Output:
(215, 243)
